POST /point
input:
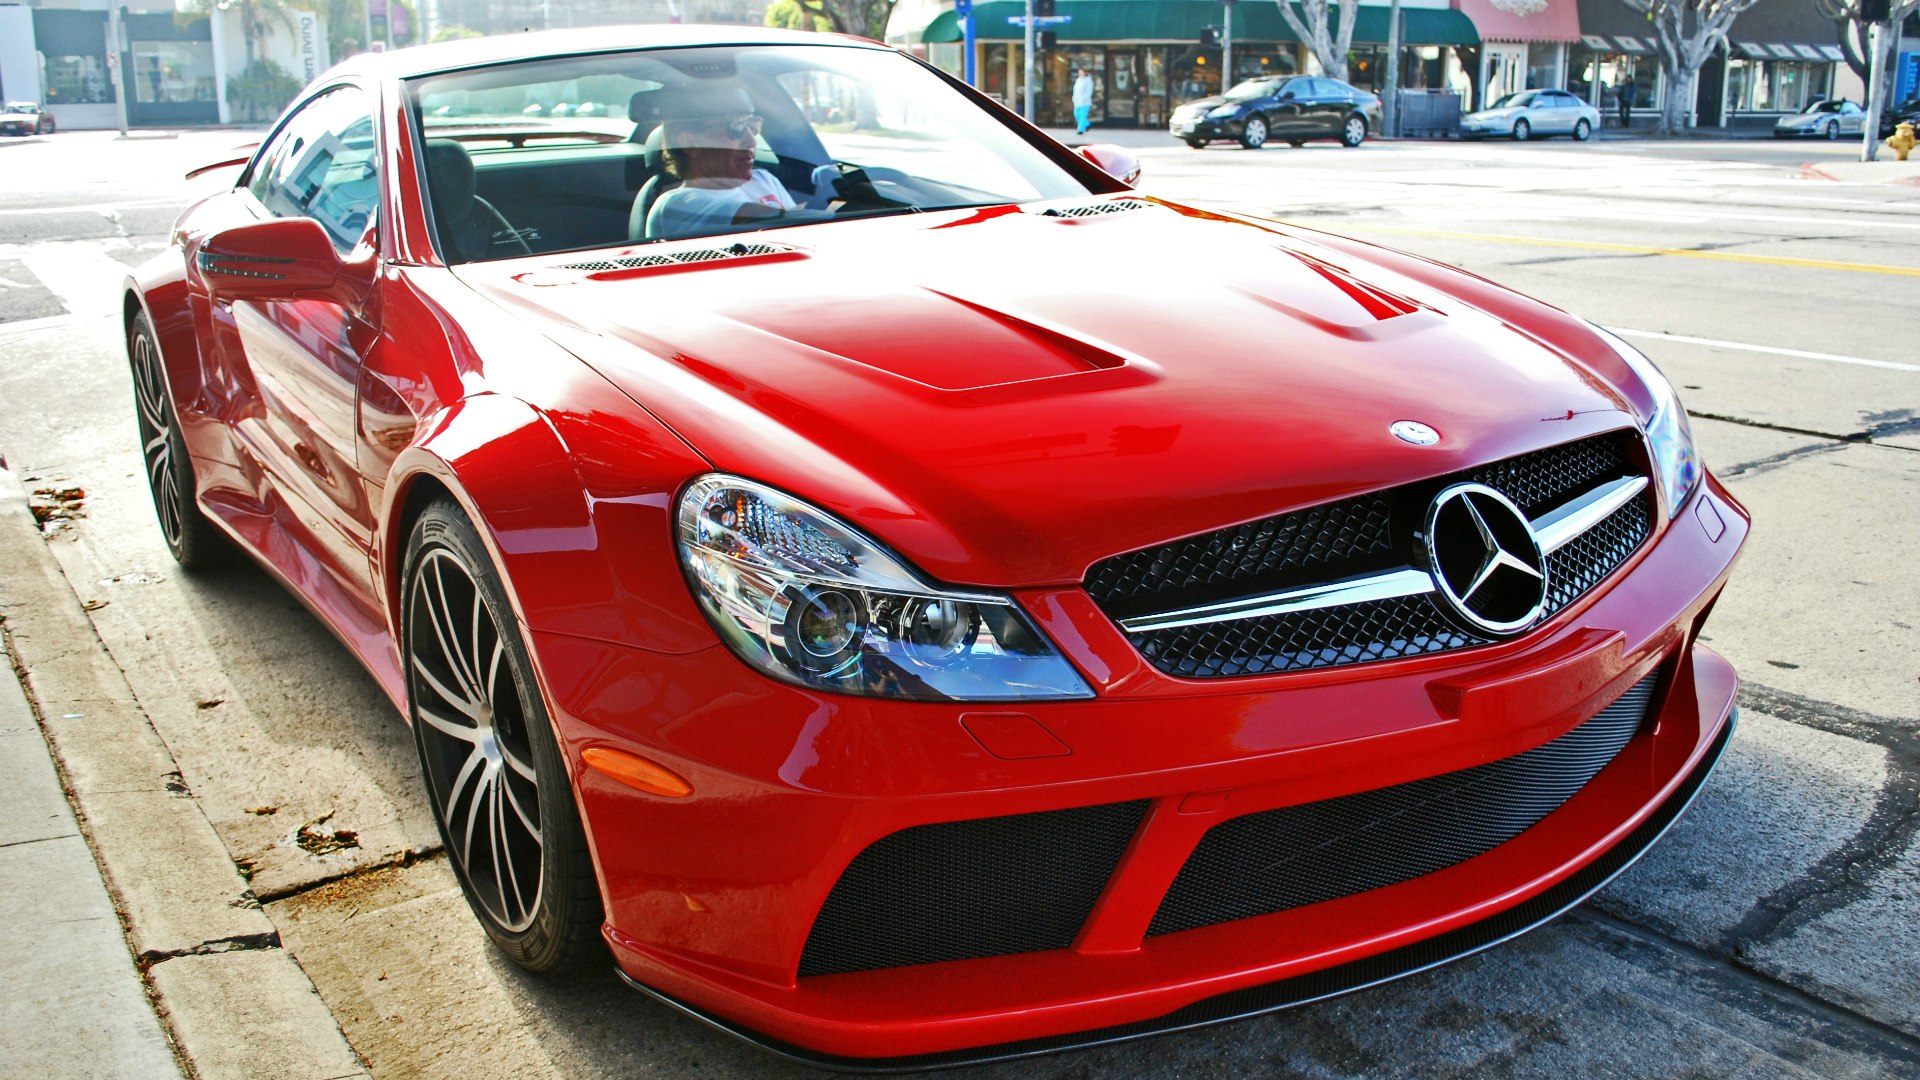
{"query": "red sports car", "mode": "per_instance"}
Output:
(835, 556)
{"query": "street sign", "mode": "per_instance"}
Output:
(962, 8)
(1039, 20)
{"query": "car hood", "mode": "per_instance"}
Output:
(1005, 396)
(1205, 104)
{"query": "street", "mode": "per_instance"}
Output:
(1775, 932)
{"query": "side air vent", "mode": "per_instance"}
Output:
(1115, 206)
(681, 258)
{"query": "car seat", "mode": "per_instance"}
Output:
(470, 228)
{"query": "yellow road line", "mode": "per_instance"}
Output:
(1640, 249)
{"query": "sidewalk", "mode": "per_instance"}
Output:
(75, 1004)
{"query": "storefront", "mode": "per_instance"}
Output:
(170, 75)
(1525, 45)
(1146, 56)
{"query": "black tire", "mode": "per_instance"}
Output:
(193, 540)
(487, 748)
(1296, 143)
(1833, 130)
(1354, 131)
(1197, 144)
(1253, 133)
(1522, 131)
(1582, 131)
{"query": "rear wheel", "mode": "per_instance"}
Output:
(191, 538)
(1522, 131)
(493, 768)
(1296, 143)
(1197, 144)
(1582, 131)
(1354, 133)
(1253, 135)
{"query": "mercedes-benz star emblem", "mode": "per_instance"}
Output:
(1486, 560)
(1413, 431)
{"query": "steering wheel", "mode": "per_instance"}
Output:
(855, 185)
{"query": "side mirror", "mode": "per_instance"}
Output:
(281, 259)
(1113, 160)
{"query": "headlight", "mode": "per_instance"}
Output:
(806, 599)
(1676, 466)
(1223, 112)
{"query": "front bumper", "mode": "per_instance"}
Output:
(711, 899)
(1205, 129)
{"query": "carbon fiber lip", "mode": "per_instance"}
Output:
(1287, 993)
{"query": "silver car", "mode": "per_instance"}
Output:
(1822, 119)
(1527, 113)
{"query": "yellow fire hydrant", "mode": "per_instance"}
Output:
(1902, 141)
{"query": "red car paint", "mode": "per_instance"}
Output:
(1003, 398)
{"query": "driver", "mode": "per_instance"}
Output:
(712, 156)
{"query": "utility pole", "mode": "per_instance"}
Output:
(1226, 48)
(1390, 101)
(1882, 37)
(116, 52)
(1030, 63)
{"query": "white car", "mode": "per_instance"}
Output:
(1822, 119)
(1527, 113)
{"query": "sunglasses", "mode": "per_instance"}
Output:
(745, 126)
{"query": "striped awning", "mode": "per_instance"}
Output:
(1618, 43)
(1183, 20)
(1773, 50)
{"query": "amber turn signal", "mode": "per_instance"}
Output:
(637, 772)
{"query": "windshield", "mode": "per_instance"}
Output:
(1824, 107)
(594, 151)
(15, 106)
(1524, 97)
(1254, 88)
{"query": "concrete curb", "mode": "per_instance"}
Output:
(238, 1003)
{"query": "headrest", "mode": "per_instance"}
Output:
(718, 98)
(449, 178)
(657, 147)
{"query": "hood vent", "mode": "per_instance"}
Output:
(682, 258)
(1096, 209)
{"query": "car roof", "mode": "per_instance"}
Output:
(505, 48)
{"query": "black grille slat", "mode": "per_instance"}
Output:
(965, 889)
(1349, 538)
(1298, 855)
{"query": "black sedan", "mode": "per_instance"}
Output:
(1907, 112)
(1295, 108)
(24, 118)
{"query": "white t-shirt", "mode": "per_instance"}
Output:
(691, 210)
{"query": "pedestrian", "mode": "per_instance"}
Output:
(1625, 98)
(1082, 99)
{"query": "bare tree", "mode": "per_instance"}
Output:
(1688, 32)
(1868, 46)
(1328, 44)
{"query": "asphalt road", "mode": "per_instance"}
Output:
(1775, 932)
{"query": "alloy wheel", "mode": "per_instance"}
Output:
(1522, 131)
(1254, 135)
(1355, 133)
(471, 723)
(1833, 130)
(1582, 130)
(156, 438)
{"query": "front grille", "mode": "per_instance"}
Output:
(1298, 855)
(679, 258)
(964, 889)
(1349, 538)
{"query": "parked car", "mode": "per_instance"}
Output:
(1822, 119)
(1526, 113)
(901, 617)
(25, 118)
(1294, 108)
(1907, 112)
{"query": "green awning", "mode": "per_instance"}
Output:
(1182, 21)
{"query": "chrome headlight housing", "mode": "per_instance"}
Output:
(1223, 112)
(1669, 437)
(808, 600)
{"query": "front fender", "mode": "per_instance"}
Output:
(576, 558)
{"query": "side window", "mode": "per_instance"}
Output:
(323, 165)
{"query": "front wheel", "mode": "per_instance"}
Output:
(1582, 131)
(1833, 130)
(492, 765)
(1296, 143)
(1522, 131)
(1354, 133)
(1253, 135)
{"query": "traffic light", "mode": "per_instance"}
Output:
(1044, 40)
(1209, 37)
(1871, 11)
(1043, 9)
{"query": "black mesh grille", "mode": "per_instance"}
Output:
(1349, 538)
(965, 889)
(1299, 855)
(1352, 634)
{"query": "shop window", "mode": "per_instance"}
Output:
(172, 71)
(78, 80)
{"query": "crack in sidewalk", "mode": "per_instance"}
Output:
(240, 943)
